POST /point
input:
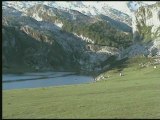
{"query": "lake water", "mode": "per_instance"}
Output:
(34, 80)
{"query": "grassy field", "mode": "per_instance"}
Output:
(134, 95)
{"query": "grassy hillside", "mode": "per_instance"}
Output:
(134, 95)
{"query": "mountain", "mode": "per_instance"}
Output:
(44, 44)
(86, 7)
(62, 37)
(146, 32)
(146, 23)
(121, 10)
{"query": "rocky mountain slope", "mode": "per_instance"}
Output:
(146, 31)
(47, 37)
(146, 23)
(37, 39)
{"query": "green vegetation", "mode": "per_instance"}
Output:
(101, 32)
(115, 23)
(145, 31)
(134, 95)
(149, 13)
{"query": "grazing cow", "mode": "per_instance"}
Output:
(120, 74)
(155, 67)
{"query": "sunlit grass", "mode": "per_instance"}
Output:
(134, 95)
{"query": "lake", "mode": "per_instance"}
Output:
(34, 80)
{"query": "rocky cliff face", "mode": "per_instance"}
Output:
(146, 23)
(146, 32)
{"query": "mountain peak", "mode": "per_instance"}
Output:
(86, 7)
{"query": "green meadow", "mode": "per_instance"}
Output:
(134, 95)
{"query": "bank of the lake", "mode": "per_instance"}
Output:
(134, 95)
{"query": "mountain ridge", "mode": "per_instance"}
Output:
(65, 38)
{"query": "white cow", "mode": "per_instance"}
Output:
(120, 74)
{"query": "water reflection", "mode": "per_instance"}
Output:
(33, 80)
